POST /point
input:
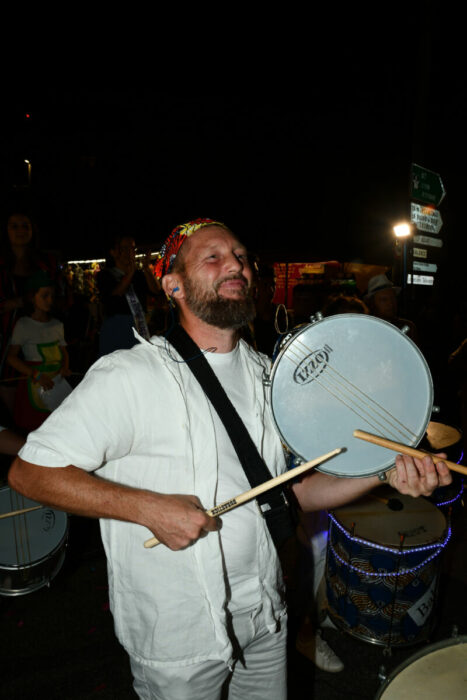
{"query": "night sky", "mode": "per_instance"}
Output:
(304, 150)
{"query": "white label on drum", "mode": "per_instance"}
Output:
(421, 611)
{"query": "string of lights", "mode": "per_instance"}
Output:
(456, 497)
(391, 574)
(391, 550)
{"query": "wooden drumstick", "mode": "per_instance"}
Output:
(19, 512)
(257, 490)
(405, 450)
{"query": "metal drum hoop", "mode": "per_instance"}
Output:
(33, 544)
(345, 372)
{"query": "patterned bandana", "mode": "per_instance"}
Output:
(174, 242)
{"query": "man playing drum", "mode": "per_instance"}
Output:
(139, 446)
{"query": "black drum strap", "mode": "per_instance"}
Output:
(273, 504)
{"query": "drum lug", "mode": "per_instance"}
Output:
(315, 318)
(405, 329)
(382, 674)
(266, 379)
(436, 409)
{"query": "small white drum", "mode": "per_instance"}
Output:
(32, 545)
(438, 671)
(347, 372)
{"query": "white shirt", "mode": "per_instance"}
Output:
(239, 527)
(139, 417)
(29, 334)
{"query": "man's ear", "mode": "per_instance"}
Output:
(172, 285)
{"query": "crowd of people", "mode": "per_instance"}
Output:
(138, 445)
(42, 315)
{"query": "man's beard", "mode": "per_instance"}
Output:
(218, 311)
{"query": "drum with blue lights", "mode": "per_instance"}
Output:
(382, 567)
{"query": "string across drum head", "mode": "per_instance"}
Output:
(348, 372)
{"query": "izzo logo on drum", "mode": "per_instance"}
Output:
(48, 520)
(312, 365)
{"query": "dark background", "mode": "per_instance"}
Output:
(297, 130)
(297, 126)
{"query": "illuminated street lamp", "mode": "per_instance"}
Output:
(402, 232)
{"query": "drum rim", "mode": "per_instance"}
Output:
(400, 551)
(436, 646)
(337, 620)
(367, 318)
(45, 580)
(46, 557)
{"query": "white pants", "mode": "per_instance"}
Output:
(259, 673)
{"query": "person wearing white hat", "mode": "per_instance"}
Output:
(381, 298)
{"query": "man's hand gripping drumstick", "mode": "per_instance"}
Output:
(252, 493)
(428, 470)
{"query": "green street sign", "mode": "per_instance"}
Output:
(426, 186)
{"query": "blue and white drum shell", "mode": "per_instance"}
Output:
(382, 567)
(32, 545)
(437, 671)
(348, 372)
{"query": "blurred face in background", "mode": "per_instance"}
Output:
(19, 230)
(44, 298)
(124, 252)
(385, 303)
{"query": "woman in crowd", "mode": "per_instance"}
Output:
(19, 259)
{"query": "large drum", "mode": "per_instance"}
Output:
(347, 372)
(438, 671)
(32, 544)
(382, 567)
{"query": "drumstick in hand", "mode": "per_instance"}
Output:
(257, 490)
(405, 450)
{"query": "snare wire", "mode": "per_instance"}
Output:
(353, 396)
(20, 529)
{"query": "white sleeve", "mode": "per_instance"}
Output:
(93, 425)
(61, 335)
(19, 335)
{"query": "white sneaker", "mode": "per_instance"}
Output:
(319, 651)
(327, 622)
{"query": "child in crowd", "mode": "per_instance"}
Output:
(40, 340)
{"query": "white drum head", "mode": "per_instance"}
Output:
(439, 671)
(348, 372)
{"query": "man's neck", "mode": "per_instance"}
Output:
(207, 336)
